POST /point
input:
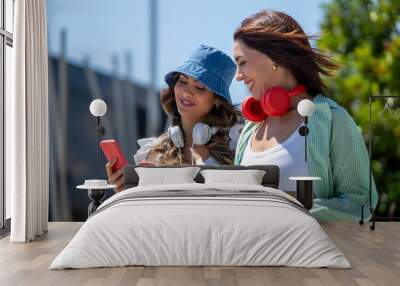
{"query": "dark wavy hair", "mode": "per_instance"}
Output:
(223, 116)
(281, 38)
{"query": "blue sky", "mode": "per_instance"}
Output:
(102, 29)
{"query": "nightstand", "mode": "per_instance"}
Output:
(96, 192)
(304, 190)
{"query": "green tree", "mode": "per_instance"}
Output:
(364, 37)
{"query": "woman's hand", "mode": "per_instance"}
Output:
(116, 178)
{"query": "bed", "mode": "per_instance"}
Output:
(201, 224)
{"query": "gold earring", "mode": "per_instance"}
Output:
(274, 67)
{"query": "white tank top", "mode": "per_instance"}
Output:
(288, 156)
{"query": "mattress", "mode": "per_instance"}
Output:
(201, 225)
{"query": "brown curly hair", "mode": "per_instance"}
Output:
(224, 116)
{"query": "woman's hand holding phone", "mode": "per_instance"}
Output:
(115, 178)
(116, 162)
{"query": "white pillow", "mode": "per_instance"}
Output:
(249, 177)
(163, 176)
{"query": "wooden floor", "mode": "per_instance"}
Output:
(374, 255)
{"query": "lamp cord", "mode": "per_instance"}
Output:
(98, 135)
(192, 154)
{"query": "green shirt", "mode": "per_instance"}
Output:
(337, 154)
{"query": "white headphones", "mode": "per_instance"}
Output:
(201, 135)
(175, 133)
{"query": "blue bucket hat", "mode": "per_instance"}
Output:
(211, 67)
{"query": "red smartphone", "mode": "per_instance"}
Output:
(111, 150)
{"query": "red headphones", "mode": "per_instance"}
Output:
(274, 102)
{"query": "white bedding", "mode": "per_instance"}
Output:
(189, 230)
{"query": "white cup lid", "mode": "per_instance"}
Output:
(96, 184)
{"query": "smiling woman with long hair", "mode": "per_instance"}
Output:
(198, 92)
(280, 68)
